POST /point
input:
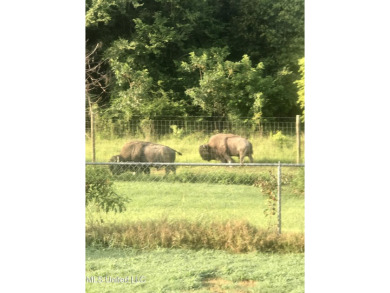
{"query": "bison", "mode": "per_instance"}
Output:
(223, 146)
(146, 152)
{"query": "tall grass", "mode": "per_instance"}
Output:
(232, 236)
(272, 148)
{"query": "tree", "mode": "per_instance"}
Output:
(267, 30)
(301, 86)
(226, 88)
(135, 91)
(96, 84)
(146, 43)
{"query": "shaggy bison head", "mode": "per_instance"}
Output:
(205, 152)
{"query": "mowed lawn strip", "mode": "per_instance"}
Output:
(177, 270)
(201, 203)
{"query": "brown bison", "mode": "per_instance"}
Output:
(146, 152)
(223, 146)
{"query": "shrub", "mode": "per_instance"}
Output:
(99, 190)
(268, 187)
(280, 139)
(176, 132)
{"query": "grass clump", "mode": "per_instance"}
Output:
(232, 236)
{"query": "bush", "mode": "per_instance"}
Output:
(280, 139)
(99, 190)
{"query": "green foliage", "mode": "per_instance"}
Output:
(98, 11)
(102, 11)
(271, 30)
(281, 139)
(301, 87)
(176, 131)
(225, 87)
(147, 44)
(154, 38)
(269, 187)
(136, 91)
(99, 190)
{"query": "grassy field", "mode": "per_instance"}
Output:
(203, 271)
(200, 203)
(265, 149)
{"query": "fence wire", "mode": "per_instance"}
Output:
(157, 128)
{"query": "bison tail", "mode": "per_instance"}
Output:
(176, 151)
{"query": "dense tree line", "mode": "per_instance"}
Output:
(229, 58)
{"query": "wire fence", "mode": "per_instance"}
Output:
(273, 139)
(267, 195)
(160, 127)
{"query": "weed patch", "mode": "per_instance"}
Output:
(232, 236)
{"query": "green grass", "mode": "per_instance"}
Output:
(265, 149)
(200, 202)
(177, 270)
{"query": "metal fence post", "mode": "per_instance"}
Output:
(92, 113)
(279, 198)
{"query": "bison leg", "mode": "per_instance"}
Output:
(170, 168)
(226, 159)
(242, 157)
(138, 169)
